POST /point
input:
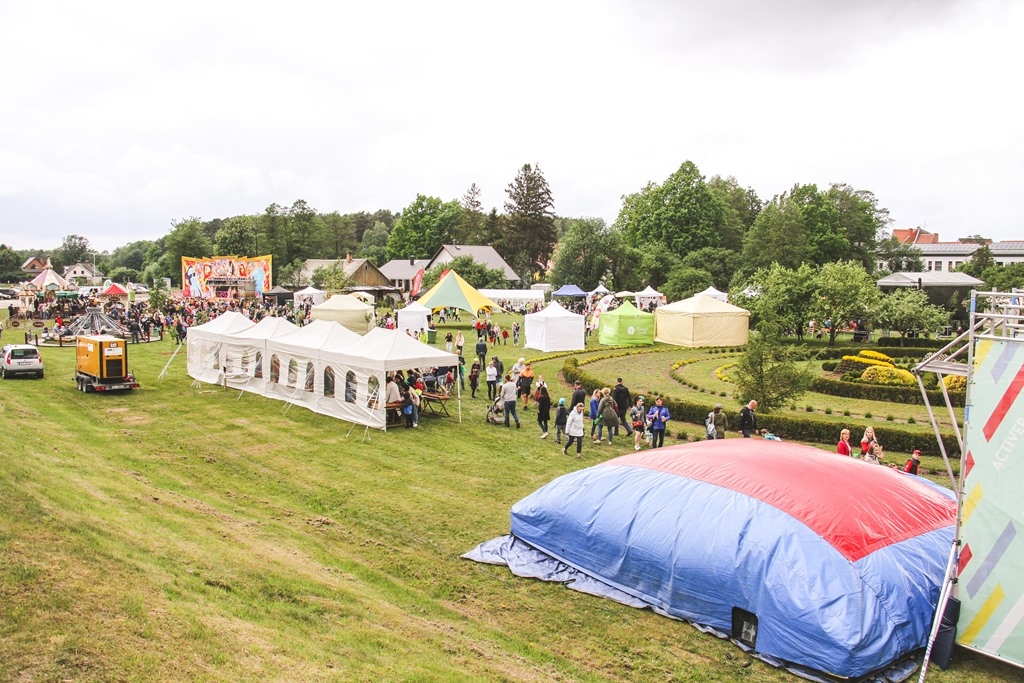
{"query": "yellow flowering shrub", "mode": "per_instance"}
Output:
(881, 375)
(876, 355)
(955, 383)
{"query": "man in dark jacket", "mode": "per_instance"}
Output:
(623, 402)
(748, 419)
(579, 394)
(481, 352)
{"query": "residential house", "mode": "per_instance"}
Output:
(366, 276)
(481, 254)
(34, 266)
(401, 272)
(84, 273)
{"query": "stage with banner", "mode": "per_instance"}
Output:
(226, 276)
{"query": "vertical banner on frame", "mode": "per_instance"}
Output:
(991, 585)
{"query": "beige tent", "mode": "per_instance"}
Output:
(347, 310)
(701, 320)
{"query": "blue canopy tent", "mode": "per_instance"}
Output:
(569, 290)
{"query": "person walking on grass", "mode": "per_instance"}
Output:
(658, 417)
(748, 419)
(609, 413)
(595, 416)
(623, 403)
(543, 411)
(561, 415)
(474, 379)
(492, 381)
(574, 430)
(638, 420)
(509, 400)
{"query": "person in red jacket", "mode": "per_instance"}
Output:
(843, 447)
(914, 463)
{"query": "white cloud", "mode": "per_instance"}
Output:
(123, 117)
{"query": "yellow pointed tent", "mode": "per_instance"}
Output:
(452, 290)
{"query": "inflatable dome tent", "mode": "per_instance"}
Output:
(826, 565)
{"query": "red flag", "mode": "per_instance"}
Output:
(416, 281)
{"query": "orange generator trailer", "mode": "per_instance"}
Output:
(101, 364)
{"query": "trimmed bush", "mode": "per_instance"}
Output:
(955, 383)
(882, 392)
(875, 355)
(896, 376)
(917, 343)
(794, 426)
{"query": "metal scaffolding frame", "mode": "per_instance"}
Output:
(993, 315)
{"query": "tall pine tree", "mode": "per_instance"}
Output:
(529, 236)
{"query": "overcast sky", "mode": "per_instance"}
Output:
(117, 118)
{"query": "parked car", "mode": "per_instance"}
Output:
(20, 359)
(8, 293)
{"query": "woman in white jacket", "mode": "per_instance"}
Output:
(574, 430)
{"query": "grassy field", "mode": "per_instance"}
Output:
(183, 533)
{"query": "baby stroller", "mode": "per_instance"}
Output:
(496, 412)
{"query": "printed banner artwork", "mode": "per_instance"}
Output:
(217, 275)
(991, 569)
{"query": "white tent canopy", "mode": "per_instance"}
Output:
(648, 296)
(346, 310)
(204, 345)
(316, 296)
(295, 374)
(370, 359)
(412, 318)
(511, 299)
(243, 353)
(715, 294)
(555, 329)
(701, 321)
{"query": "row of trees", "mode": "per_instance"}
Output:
(681, 236)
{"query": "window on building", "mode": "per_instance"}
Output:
(275, 369)
(293, 372)
(938, 266)
(310, 377)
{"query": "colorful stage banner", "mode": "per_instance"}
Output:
(991, 585)
(222, 275)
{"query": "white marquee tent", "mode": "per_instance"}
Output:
(322, 366)
(204, 345)
(555, 329)
(366, 364)
(715, 294)
(295, 372)
(412, 317)
(316, 296)
(242, 353)
(648, 296)
(347, 310)
(701, 321)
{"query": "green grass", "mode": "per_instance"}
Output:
(181, 533)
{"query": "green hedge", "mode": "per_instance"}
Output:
(880, 392)
(917, 343)
(794, 427)
(837, 352)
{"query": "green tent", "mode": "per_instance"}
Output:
(626, 326)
